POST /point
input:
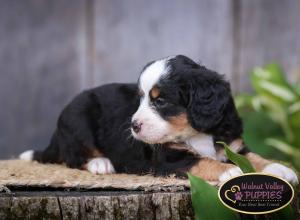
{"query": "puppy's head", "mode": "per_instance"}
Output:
(178, 99)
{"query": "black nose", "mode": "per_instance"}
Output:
(136, 126)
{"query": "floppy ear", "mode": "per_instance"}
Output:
(208, 98)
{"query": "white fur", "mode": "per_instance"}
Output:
(154, 128)
(151, 75)
(230, 173)
(27, 155)
(203, 144)
(100, 165)
(282, 171)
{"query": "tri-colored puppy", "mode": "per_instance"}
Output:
(167, 123)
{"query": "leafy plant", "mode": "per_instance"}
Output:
(271, 124)
(207, 205)
(238, 160)
(272, 115)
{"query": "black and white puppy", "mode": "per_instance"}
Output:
(167, 123)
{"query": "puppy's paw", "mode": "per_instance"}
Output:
(282, 171)
(100, 165)
(27, 155)
(230, 173)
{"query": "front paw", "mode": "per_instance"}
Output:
(282, 171)
(230, 173)
(100, 165)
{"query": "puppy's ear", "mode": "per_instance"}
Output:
(209, 95)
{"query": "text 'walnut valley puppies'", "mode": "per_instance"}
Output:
(133, 128)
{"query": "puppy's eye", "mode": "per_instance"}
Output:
(160, 102)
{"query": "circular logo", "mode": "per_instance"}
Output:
(256, 193)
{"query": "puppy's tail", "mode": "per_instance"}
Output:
(31, 155)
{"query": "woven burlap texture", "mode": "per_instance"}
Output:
(20, 173)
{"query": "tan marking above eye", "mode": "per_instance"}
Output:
(155, 92)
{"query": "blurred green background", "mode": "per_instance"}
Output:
(271, 115)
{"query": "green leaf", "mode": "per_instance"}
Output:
(269, 81)
(296, 87)
(284, 147)
(243, 101)
(286, 213)
(238, 159)
(206, 203)
(276, 73)
(257, 127)
(278, 91)
(271, 72)
(294, 114)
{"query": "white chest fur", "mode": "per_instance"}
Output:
(203, 144)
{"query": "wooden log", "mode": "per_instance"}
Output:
(96, 205)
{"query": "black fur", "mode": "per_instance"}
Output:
(204, 95)
(100, 119)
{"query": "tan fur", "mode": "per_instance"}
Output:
(180, 122)
(257, 161)
(209, 169)
(236, 145)
(91, 153)
(155, 92)
(96, 153)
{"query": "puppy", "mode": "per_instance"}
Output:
(167, 123)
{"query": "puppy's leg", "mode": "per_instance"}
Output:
(213, 170)
(260, 164)
(269, 167)
(206, 168)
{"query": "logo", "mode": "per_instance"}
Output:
(256, 193)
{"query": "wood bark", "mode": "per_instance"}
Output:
(96, 205)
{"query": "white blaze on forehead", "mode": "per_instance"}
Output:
(154, 128)
(152, 74)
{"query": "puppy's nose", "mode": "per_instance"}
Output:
(136, 126)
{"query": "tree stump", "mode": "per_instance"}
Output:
(95, 205)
